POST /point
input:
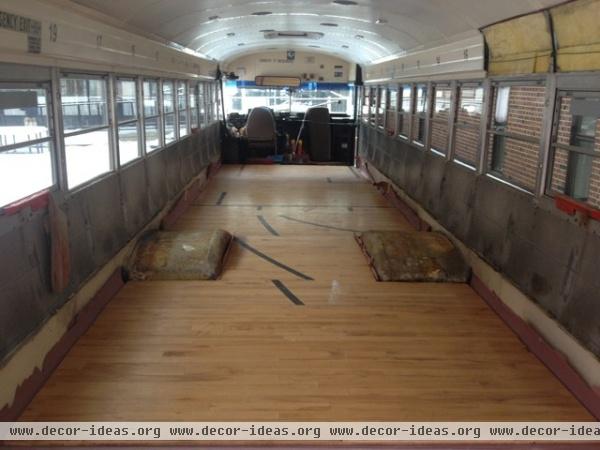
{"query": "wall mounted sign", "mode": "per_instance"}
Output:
(20, 24)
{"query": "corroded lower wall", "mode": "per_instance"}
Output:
(102, 218)
(546, 254)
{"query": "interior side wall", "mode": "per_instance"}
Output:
(544, 253)
(102, 218)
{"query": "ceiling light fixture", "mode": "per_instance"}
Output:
(345, 2)
(230, 34)
(266, 31)
(261, 13)
(213, 18)
(329, 24)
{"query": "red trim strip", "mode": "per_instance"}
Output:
(571, 207)
(77, 328)
(36, 201)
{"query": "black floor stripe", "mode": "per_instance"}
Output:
(266, 224)
(320, 224)
(353, 170)
(221, 198)
(289, 294)
(329, 180)
(271, 260)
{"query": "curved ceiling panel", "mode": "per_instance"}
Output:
(363, 31)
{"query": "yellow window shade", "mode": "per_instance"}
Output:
(577, 31)
(519, 46)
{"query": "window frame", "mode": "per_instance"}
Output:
(420, 115)
(158, 115)
(110, 125)
(393, 112)
(402, 115)
(202, 113)
(138, 120)
(194, 111)
(174, 112)
(366, 92)
(183, 83)
(457, 124)
(381, 107)
(433, 87)
(570, 149)
(496, 83)
(373, 106)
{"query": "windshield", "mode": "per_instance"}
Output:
(240, 97)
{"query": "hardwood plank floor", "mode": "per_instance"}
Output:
(239, 349)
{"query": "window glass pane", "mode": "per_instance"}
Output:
(209, 103)
(468, 120)
(418, 129)
(168, 96)
(182, 99)
(466, 144)
(403, 124)
(421, 106)
(152, 134)
(381, 106)
(129, 143)
(442, 103)
(439, 136)
(170, 134)
(520, 109)
(513, 160)
(470, 105)
(215, 102)
(87, 155)
(366, 102)
(201, 104)
(373, 105)
(392, 98)
(578, 123)
(23, 115)
(576, 174)
(25, 171)
(193, 99)
(406, 98)
(83, 103)
(150, 89)
(126, 100)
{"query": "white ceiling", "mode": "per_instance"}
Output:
(410, 24)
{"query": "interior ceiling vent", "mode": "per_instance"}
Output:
(294, 34)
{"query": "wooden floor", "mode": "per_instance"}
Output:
(240, 349)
